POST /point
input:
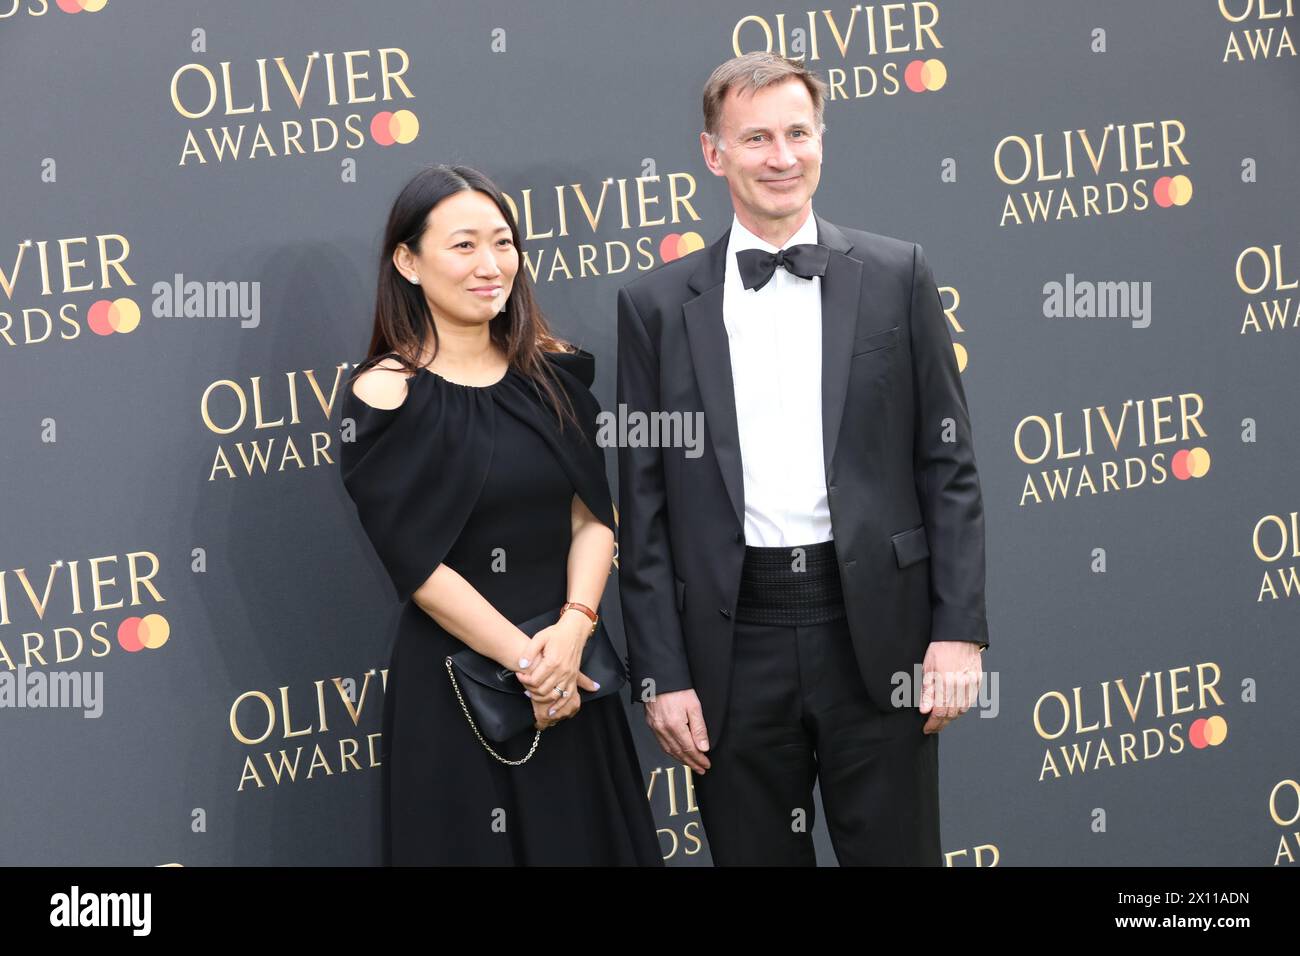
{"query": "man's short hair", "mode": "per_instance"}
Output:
(755, 71)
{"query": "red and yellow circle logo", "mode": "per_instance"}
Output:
(78, 6)
(388, 128)
(925, 76)
(136, 633)
(1207, 732)
(1171, 191)
(1190, 463)
(117, 315)
(675, 245)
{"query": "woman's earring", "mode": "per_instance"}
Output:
(415, 280)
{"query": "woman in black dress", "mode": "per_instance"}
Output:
(477, 478)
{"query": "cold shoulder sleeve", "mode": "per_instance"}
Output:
(415, 472)
(577, 371)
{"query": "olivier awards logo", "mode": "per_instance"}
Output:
(980, 856)
(256, 717)
(1274, 538)
(1083, 173)
(227, 105)
(43, 282)
(80, 612)
(294, 411)
(581, 231)
(1284, 811)
(950, 299)
(868, 50)
(1127, 721)
(1259, 276)
(671, 792)
(1258, 30)
(1102, 430)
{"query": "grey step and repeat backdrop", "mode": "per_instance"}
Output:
(1107, 193)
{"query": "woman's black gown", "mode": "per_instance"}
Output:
(482, 479)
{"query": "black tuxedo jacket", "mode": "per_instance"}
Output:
(905, 504)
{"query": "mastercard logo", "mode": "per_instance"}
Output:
(117, 315)
(925, 76)
(1171, 191)
(137, 633)
(1190, 463)
(1207, 732)
(675, 245)
(388, 128)
(77, 6)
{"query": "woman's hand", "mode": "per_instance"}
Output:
(525, 656)
(556, 654)
(541, 714)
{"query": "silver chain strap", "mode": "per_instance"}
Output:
(514, 763)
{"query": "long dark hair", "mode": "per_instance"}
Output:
(403, 323)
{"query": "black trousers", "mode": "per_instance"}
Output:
(798, 712)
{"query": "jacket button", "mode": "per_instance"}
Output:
(740, 537)
(724, 612)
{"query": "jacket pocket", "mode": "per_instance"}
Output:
(874, 341)
(911, 546)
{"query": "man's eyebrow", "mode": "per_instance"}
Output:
(474, 232)
(751, 130)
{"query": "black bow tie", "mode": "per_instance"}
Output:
(757, 266)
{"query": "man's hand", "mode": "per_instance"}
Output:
(950, 682)
(678, 722)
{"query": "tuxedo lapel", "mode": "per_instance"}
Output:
(841, 295)
(711, 356)
(841, 290)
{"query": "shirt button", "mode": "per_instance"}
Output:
(724, 612)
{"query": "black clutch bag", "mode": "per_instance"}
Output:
(493, 700)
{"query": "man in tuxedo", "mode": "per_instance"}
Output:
(780, 589)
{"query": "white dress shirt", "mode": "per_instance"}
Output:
(775, 336)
